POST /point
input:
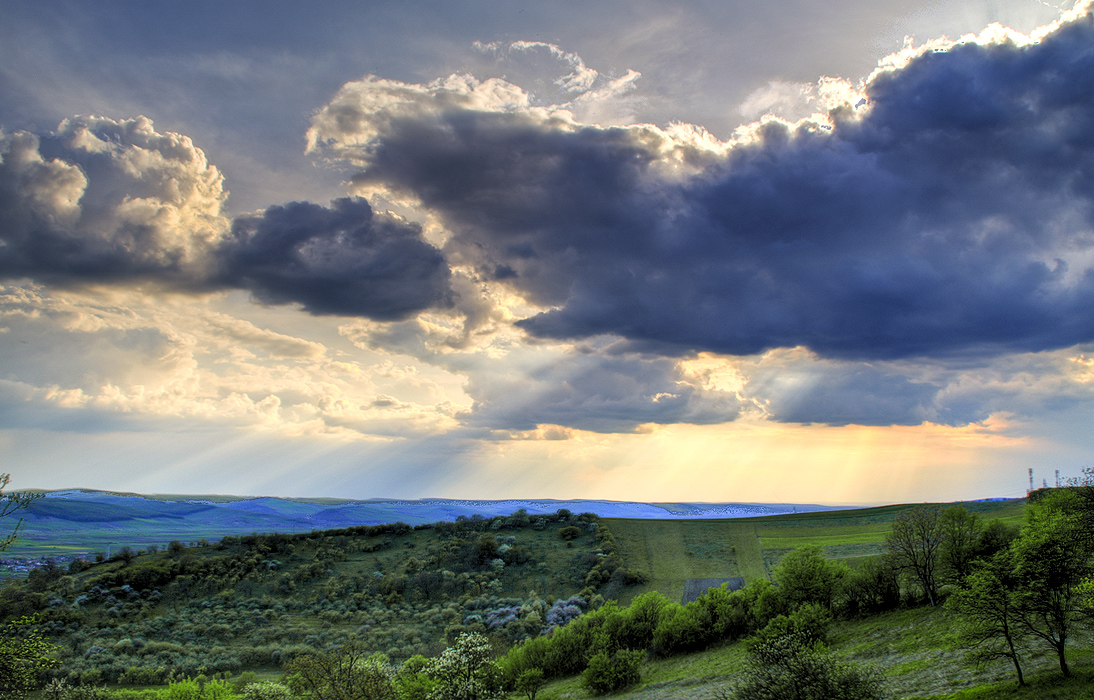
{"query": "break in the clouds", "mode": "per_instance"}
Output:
(946, 208)
(107, 201)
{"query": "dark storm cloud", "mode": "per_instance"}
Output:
(952, 215)
(105, 201)
(339, 260)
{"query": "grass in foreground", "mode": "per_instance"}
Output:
(913, 649)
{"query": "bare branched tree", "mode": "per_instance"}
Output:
(11, 502)
(914, 544)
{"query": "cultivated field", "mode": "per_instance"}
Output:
(672, 551)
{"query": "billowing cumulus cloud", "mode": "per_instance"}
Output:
(950, 212)
(105, 201)
(101, 200)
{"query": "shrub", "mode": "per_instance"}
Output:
(266, 690)
(563, 611)
(807, 625)
(609, 673)
(569, 533)
(788, 668)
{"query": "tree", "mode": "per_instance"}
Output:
(529, 682)
(24, 654)
(1052, 560)
(466, 671)
(914, 544)
(350, 672)
(872, 586)
(988, 600)
(961, 531)
(23, 651)
(11, 502)
(805, 576)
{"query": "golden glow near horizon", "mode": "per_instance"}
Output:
(758, 461)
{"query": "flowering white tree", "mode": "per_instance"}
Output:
(466, 671)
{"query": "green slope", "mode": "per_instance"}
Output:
(672, 551)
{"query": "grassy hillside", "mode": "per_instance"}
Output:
(913, 649)
(672, 551)
(257, 601)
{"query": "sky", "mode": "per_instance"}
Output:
(718, 251)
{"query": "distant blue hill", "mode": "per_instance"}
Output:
(323, 513)
(78, 522)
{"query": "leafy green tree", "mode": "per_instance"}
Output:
(529, 683)
(350, 672)
(961, 532)
(872, 586)
(412, 681)
(988, 602)
(466, 671)
(1051, 562)
(914, 543)
(805, 576)
(24, 654)
(995, 537)
(641, 619)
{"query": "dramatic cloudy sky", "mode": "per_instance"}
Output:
(718, 251)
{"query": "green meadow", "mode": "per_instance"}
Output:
(672, 551)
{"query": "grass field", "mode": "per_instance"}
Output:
(672, 551)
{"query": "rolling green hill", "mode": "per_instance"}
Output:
(672, 551)
(254, 602)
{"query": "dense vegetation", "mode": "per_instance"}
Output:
(258, 602)
(450, 610)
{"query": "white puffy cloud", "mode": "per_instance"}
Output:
(100, 198)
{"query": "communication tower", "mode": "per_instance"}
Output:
(1030, 481)
(1057, 478)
